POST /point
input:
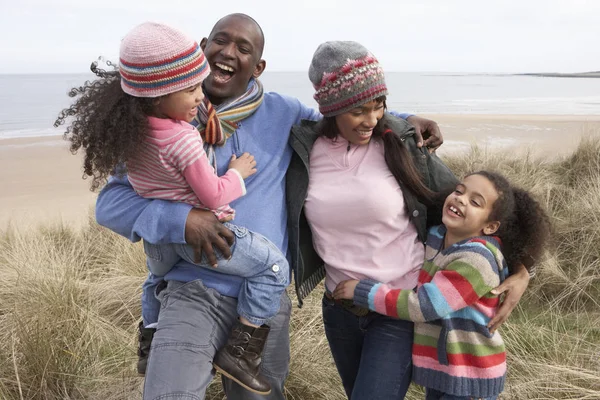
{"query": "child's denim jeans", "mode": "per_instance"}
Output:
(253, 257)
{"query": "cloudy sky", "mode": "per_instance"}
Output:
(406, 35)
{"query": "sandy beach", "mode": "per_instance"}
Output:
(42, 181)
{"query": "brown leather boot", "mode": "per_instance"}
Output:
(145, 336)
(240, 359)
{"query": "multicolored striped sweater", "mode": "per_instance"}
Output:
(453, 350)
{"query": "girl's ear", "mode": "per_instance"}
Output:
(491, 228)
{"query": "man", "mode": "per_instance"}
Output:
(198, 306)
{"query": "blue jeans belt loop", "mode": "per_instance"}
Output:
(348, 305)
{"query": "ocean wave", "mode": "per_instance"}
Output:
(29, 133)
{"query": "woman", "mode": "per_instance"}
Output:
(364, 214)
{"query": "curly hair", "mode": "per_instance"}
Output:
(397, 157)
(107, 123)
(524, 225)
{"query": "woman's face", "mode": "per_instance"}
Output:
(356, 125)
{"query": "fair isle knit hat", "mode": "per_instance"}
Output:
(156, 60)
(345, 75)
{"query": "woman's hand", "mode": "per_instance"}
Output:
(203, 231)
(514, 286)
(345, 290)
(428, 130)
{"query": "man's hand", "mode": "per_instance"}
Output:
(514, 286)
(203, 231)
(345, 290)
(427, 132)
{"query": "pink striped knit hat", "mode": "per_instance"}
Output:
(156, 60)
(345, 75)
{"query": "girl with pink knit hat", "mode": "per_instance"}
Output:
(136, 121)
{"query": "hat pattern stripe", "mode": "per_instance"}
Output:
(177, 57)
(157, 69)
(357, 100)
(347, 81)
(162, 83)
(198, 65)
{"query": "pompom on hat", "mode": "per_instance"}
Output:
(345, 75)
(156, 60)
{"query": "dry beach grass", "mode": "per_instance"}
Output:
(69, 302)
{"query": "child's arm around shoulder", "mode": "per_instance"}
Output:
(468, 277)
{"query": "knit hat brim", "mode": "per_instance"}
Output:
(156, 60)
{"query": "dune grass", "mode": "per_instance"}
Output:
(69, 302)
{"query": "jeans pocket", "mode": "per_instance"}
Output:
(238, 231)
(152, 251)
(177, 290)
(327, 302)
(163, 290)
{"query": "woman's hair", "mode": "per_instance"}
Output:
(106, 122)
(397, 156)
(524, 225)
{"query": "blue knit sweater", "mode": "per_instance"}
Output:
(265, 135)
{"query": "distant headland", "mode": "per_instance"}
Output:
(592, 74)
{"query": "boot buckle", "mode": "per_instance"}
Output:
(237, 351)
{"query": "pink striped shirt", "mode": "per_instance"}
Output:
(172, 165)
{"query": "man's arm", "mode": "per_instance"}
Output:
(427, 132)
(308, 113)
(514, 286)
(122, 210)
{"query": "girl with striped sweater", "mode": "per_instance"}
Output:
(455, 355)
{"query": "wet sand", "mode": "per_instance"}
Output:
(41, 180)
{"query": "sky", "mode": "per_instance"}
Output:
(504, 36)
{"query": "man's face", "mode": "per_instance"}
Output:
(233, 51)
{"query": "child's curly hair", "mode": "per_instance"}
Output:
(107, 123)
(524, 225)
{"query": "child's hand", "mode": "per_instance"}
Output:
(245, 165)
(345, 290)
(228, 218)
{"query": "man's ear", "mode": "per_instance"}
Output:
(491, 228)
(203, 43)
(259, 68)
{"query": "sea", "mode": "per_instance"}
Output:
(29, 104)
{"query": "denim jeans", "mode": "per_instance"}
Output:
(373, 354)
(431, 394)
(253, 257)
(194, 322)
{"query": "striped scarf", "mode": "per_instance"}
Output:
(216, 125)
